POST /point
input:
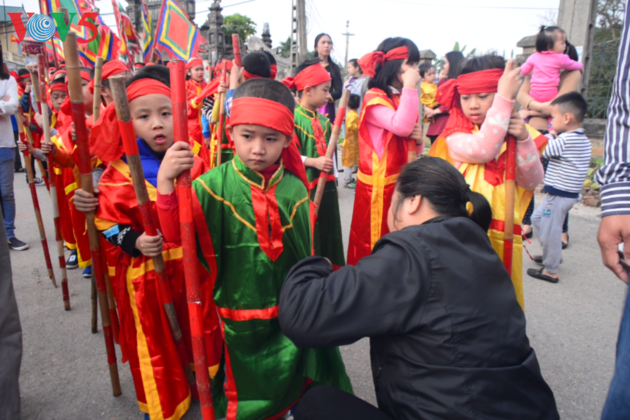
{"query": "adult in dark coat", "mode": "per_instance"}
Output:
(323, 49)
(10, 336)
(447, 334)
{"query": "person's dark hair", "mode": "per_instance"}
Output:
(454, 58)
(572, 103)
(317, 38)
(4, 71)
(257, 63)
(354, 101)
(483, 62)
(60, 81)
(385, 74)
(571, 51)
(22, 72)
(546, 37)
(445, 188)
(332, 68)
(159, 73)
(355, 63)
(272, 59)
(266, 89)
(425, 67)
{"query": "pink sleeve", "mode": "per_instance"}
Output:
(527, 68)
(484, 145)
(529, 169)
(401, 121)
(168, 213)
(567, 64)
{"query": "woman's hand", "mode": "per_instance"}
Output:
(84, 201)
(411, 78)
(511, 81)
(516, 127)
(322, 163)
(178, 158)
(150, 246)
(417, 133)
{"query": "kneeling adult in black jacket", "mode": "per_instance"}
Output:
(447, 335)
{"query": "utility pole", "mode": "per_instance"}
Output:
(299, 49)
(347, 35)
(295, 57)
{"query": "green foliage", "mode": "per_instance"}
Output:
(238, 24)
(285, 48)
(609, 23)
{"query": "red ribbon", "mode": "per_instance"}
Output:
(370, 61)
(264, 112)
(249, 75)
(274, 71)
(311, 76)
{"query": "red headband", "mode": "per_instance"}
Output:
(249, 75)
(111, 68)
(143, 87)
(274, 71)
(448, 94)
(370, 61)
(25, 76)
(194, 63)
(311, 76)
(276, 116)
(105, 140)
(58, 87)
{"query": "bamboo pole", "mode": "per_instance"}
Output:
(148, 218)
(510, 191)
(38, 213)
(85, 168)
(332, 147)
(189, 245)
(220, 125)
(98, 74)
(53, 191)
(35, 85)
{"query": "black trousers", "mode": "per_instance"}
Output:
(328, 403)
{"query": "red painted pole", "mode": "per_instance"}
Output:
(236, 45)
(85, 169)
(220, 128)
(510, 191)
(189, 244)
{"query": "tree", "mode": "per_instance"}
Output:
(285, 48)
(238, 24)
(610, 14)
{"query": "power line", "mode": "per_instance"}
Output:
(467, 5)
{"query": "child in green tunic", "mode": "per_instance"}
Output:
(252, 221)
(313, 130)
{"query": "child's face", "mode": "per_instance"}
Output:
(257, 146)
(443, 73)
(153, 120)
(429, 75)
(196, 73)
(88, 97)
(353, 71)
(318, 96)
(559, 120)
(560, 45)
(57, 99)
(476, 106)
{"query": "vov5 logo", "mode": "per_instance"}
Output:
(42, 27)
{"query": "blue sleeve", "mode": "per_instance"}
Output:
(25, 102)
(205, 127)
(14, 123)
(228, 102)
(614, 175)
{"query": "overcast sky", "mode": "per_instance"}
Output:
(432, 24)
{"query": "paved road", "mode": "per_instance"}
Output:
(572, 325)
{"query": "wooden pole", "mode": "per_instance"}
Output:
(85, 168)
(38, 213)
(36, 91)
(220, 125)
(236, 46)
(510, 191)
(98, 74)
(53, 190)
(148, 218)
(332, 147)
(189, 244)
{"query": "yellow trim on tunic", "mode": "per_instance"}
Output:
(289, 226)
(123, 168)
(227, 203)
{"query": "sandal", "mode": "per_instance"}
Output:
(538, 274)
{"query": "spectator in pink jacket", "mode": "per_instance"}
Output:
(546, 63)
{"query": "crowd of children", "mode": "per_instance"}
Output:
(253, 212)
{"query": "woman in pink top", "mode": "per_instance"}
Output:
(389, 134)
(546, 63)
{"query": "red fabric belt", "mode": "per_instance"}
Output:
(248, 314)
(499, 225)
(313, 185)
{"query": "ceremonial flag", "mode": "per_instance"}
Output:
(129, 30)
(147, 35)
(175, 33)
(123, 53)
(105, 45)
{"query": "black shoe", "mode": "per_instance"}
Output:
(538, 274)
(39, 182)
(73, 260)
(565, 245)
(17, 245)
(18, 170)
(529, 235)
(538, 259)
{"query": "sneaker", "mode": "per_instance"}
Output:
(351, 185)
(73, 260)
(87, 273)
(39, 182)
(17, 245)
